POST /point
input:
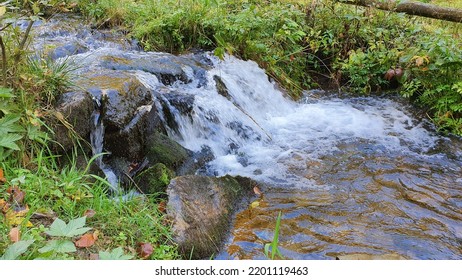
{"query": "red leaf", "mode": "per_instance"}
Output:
(87, 240)
(89, 213)
(145, 250)
(15, 234)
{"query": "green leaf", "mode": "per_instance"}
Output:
(58, 246)
(15, 250)
(5, 92)
(116, 254)
(274, 244)
(8, 141)
(74, 228)
(9, 124)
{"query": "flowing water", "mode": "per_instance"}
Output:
(350, 175)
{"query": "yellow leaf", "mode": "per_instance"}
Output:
(15, 218)
(255, 204)
(2, 10)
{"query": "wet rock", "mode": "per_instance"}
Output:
(201, 208)
(163, 66)
(221, 87)
(131, 141)
(175, 103)
(66, 50)
(73, 119)
(121, 94)
(160, 148)
(196, 161)
(155, 179)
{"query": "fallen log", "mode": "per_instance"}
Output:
(411, 8)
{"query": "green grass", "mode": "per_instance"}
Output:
(67, 194)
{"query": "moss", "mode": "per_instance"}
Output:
(162, 149)
(155, 179)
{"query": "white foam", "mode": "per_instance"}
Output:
(279, 128)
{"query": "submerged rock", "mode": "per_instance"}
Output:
(201, 208)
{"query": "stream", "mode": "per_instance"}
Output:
(356, 175)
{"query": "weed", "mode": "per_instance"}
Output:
(274, 244)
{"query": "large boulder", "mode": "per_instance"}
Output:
(72, 119)
(201, 209)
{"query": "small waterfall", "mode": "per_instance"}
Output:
(97, 140)
(254, 131)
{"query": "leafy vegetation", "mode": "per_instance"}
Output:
(36, 193)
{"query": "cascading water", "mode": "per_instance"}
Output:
(350, 176)
(357, 175)
(96, 141)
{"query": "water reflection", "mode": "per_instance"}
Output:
(363, 202)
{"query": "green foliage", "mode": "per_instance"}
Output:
(433, 77)
(58, 246)
(115, 254)
(274, 244)
(75, 227)
(16, 249)
(48, 78)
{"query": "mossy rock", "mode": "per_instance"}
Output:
(201, 209)
(162, 149)
(155, 179)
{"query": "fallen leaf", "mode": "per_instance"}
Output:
(162, 206)
(4, 206)
(15, 234)
(45, 218)
(16, 195)
(16, 217)
(145, 250)
(257, 191)
(87, 240)
(255, 204)
(89, 213)
(2, 179)
(93, 256)
(96, 234)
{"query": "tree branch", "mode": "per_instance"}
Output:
(411, 8)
